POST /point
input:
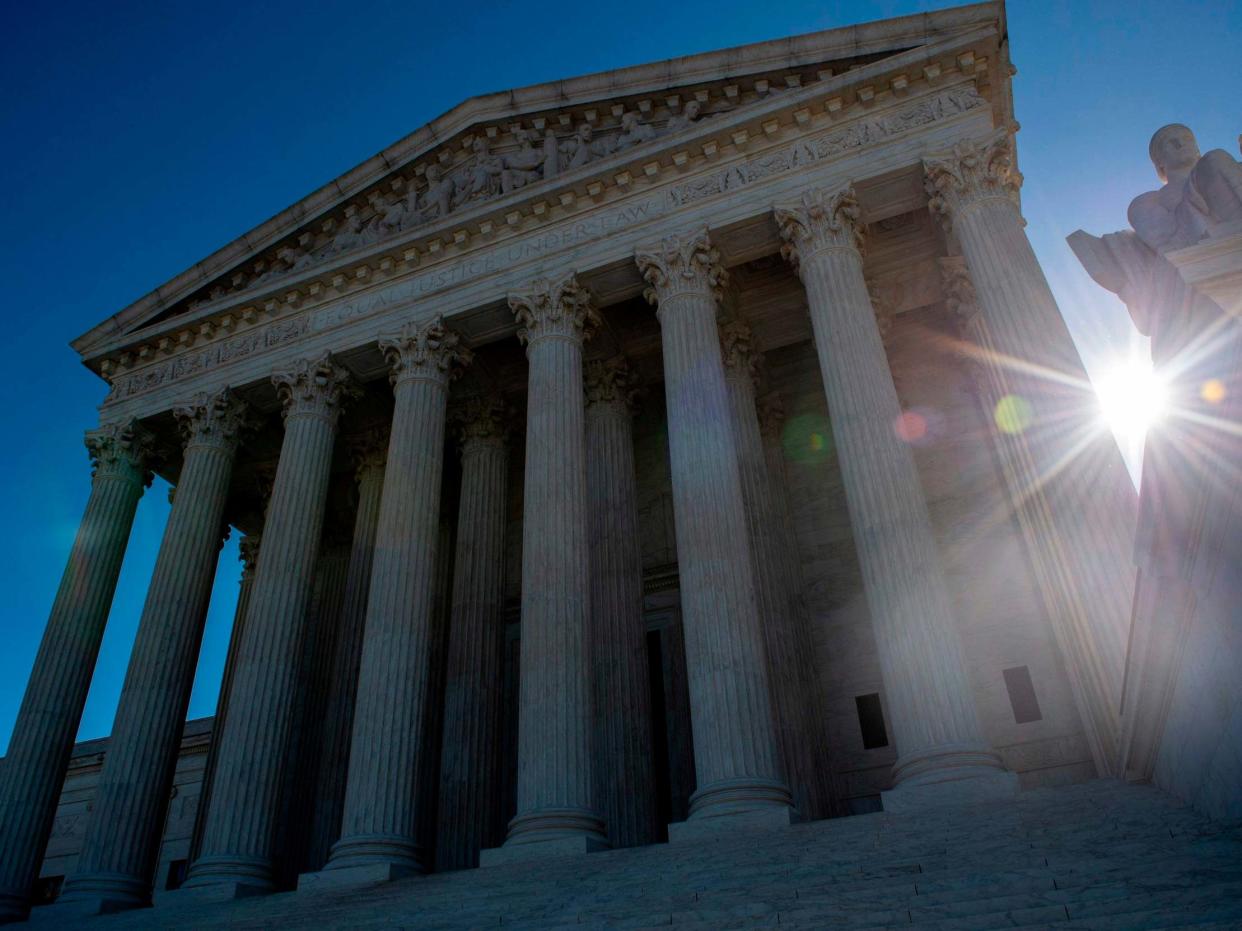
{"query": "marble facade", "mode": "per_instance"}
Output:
(603, 450)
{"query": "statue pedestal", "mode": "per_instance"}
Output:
(1214, 267)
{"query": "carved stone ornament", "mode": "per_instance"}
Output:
(609, 381)
(121, 450)
(822, 219)
(554, 307)
(368, 449)
(238, 332)
(884, 303)
(771, 415)
(737, 348)
(248, 553)
(682, 264)
(217, 419)
(427, 350)
(971, 172)
(318, 387)
(959, 291)
(484, 419)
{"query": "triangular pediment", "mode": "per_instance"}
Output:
(491, 155)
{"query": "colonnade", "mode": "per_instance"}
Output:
(584, 756)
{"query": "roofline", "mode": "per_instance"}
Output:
(793, 51)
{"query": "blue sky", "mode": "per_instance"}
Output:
(141, 136)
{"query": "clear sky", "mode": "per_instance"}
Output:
(144, 135)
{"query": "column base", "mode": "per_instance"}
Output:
(103, 893)
(948, 776)
(349, 877)
(706, 829)
(549, 832)
(228, 877)
(549, 849)
(738, 796)
(394, 851)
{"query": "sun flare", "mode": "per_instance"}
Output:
(1132, 397)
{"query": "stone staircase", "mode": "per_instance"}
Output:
(1099, 855)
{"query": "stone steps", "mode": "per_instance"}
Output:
(1098, 855)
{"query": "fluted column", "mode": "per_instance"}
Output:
(1068, 482)
(378, 830)
(306, 746)
(370, 452)
(555, 792)
(33, 771)
(469, 765)
(239, 835)
(736, 756)
(121, 846)
(788, 562)
(619, 670)
(248, 553)
(931, 704)
(790, 697)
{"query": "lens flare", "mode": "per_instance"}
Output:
(1013, 413)
(1213, 391)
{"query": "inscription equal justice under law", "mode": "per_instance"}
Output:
(810, 151)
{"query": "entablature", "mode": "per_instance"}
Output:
(878, 147)
(392, 226)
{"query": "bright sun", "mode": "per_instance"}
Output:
(1132, 397)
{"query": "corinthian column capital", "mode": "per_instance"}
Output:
(216, 420)
(368, 449)
(317, 387)
(426, 350)
(609, 381)
(823, 218)
(771, 416)
(248, 553)
(738, 351)
(480, 420)
(973, 171)
(684, 263)
(554, 307)
(121, 450)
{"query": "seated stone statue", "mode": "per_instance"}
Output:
(524, 166)
(1201, 193)
(633, 132)
(436, 201)
(1194, 342)
(688, 116)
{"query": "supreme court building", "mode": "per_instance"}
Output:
(623, 460)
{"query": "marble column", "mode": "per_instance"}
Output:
(379, 824)
(1066, 477)
(470, 763)
(306, 746)
(736, 756)
(121, 847)
(619, 667)
(34, 768)
(248, 553)
(240, 832)
(370, 452)
(793, 587)
(930, 701)
(790, 696)
(555, 792)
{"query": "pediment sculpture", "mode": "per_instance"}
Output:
(484, 176)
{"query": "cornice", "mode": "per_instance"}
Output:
(528, 208)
